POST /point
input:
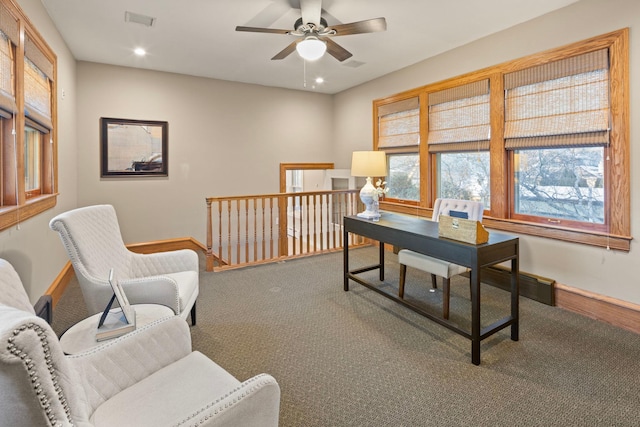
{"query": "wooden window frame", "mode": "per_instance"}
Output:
(500, 217)
(16, 205)
(421, 149)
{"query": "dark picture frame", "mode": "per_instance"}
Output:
(133, 148)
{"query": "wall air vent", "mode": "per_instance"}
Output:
(147, 21)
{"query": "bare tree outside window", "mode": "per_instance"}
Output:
(563, 183)
(403, 176)
(465, 176)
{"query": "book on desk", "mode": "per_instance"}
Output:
(117, 321)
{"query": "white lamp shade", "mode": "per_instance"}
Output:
(311, 48)
(369, 163)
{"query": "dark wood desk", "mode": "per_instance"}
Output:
(421, 235)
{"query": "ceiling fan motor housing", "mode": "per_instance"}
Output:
(298, 24)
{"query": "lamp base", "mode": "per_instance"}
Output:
(371, 206)
(367, 215)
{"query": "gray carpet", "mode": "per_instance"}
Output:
(357, 359)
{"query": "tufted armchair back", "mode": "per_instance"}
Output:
(12, 292)
(474, 210)
(89, 234)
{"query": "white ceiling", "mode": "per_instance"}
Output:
(198, 37)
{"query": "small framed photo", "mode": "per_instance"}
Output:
(131, 148)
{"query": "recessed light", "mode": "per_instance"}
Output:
(140, 51)
(319, 80)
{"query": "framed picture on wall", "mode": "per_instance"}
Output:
(133, 148)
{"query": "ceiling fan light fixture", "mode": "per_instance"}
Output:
(311, 48)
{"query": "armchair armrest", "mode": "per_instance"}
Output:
(254, 403)
(163, 262)
(37, 382)
(153, 290)
(107, 369)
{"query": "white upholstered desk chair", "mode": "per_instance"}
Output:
(91, 235)
(435, 266)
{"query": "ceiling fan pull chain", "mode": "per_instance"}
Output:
(304, 73)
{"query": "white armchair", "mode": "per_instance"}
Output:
(435, 266)
(149, 377)
(91, 235)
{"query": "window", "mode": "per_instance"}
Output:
(557, 121)
(459, 135)
(542, 141)
(27, 108)
(398, 134)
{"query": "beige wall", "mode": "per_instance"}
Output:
(596, 270)
(225, 139)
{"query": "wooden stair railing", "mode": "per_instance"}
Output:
(257, 229)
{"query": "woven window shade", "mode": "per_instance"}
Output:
(36, 56)
(7, 85)
(561, 104)
(37, 95)
(399, 124)
(459, 118)
(9, 25)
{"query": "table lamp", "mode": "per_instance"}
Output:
(369, 164)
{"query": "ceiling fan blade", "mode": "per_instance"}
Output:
(311, 11)
(286, 51)
(262, 30)
(337, 51)
(367, 26)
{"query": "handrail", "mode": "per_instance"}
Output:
(264, 228)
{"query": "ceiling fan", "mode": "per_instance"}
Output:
(314, 35)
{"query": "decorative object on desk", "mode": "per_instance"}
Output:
(369, 164)
(117, 321)
(464, 230)
(380, 191)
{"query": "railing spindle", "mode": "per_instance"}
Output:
(230, 261)
(308, 213)
(246, 233)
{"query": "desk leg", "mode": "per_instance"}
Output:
(475, 316)
(381, 261)
(345, 259)
(515, 299)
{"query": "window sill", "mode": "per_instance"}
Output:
(12, 215)
(592, 238)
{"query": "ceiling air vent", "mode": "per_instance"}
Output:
(354, 64)
(147, 21)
